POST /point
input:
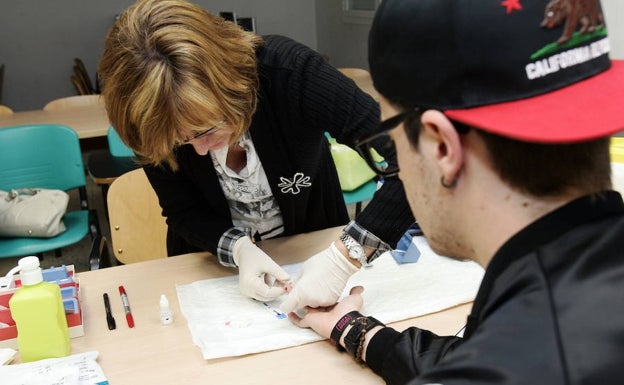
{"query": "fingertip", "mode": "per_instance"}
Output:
(273, 293)
(357, 290)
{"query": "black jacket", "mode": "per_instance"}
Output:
(550, 310)
(300, 97)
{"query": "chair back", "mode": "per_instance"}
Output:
(4, 110)
(82, 81)
(72, 101)
(40, 155)
(116, 146)
(138, 229)
(45, 156)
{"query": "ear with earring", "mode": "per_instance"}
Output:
(448, 185)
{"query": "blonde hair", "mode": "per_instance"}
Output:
(168, 67)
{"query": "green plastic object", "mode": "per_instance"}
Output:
(353, 171)
(37, 309)
(115, 145)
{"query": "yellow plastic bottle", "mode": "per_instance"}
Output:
(37, 309)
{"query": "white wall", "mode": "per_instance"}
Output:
(614, 10)
(40, 38)
(345, 43)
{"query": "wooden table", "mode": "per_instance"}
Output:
(152, 353)
(87, 121)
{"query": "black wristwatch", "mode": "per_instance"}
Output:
(355, 250)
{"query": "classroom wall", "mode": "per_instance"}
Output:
(39, 39)
(346, 44)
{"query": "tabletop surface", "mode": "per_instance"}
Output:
(88, 121)
(165, 354)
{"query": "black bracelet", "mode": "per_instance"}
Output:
(340, 326)
(354, 340)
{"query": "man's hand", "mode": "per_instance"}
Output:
(257, 271)
(322, 280)
(323, 320)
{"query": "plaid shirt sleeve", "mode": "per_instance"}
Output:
(225, 249)
(366, 239)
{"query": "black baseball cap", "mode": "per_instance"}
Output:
(533, 70)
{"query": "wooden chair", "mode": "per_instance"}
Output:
(81, 72)
(138, 229)
(4, 110)
(78, 85)
(72, 101)
(362, 79)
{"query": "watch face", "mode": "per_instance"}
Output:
(356, 251)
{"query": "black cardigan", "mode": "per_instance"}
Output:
(300, 97)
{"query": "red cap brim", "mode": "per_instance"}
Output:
(586, 110)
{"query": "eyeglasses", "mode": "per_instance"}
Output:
(380, 142)
(204, 133)
(378, 149)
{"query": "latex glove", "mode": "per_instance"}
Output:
(323, 320)
(322, 280)
(257, 272)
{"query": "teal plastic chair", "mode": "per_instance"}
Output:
(45, 156)
(359, 195)
(115, 145)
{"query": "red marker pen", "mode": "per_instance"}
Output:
(126, 305)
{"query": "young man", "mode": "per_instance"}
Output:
(502, 134)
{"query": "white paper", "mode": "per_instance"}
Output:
(224, 323)
(77, 369)
(7, 355)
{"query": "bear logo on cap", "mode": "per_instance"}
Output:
(585, 12)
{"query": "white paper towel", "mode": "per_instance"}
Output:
(224, 323)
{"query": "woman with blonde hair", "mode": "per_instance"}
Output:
(230, 128)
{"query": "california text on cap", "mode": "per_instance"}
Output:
(533, 70)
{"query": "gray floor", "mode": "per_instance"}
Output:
(78, 254)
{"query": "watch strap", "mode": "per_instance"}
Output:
(349, 243)
(340, 326)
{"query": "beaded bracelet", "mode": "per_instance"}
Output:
(354, 340)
